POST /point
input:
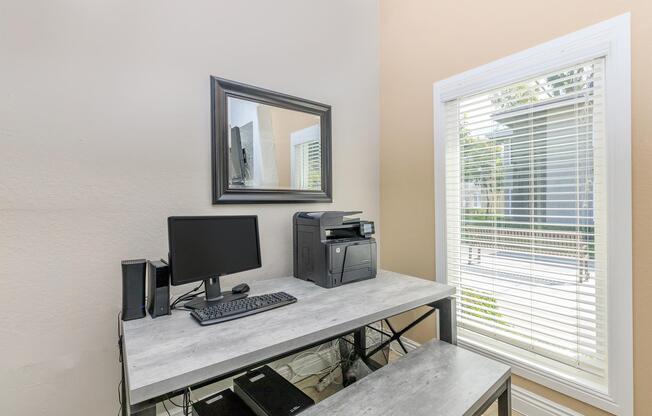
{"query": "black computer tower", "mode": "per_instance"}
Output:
(133, 289)
(159, 289)
(267, 393)
(220, 404)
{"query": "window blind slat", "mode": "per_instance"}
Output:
(578, 162)
(517, 286)
(569, 342)
(520, 302)
(567, 353)
(563, 331)
(570, 172)
(528, 96)
(550, 278)
(588, 364)
(582, 111)
(531, 224)
(536, 263)
(470, 236)
(516, 306)
(520, 106)
(541, 117)
(556, 77)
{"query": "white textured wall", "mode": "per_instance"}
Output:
(105, 131)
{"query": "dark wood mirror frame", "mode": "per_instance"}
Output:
(221, 90)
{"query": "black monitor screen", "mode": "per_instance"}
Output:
(205, 247)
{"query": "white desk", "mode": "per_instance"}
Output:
(164, 355)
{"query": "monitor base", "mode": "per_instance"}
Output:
(214, 295)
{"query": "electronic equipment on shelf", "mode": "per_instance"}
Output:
(233, 309)
(226, 402)
(159, 289)
(133, 289)
(267, 393)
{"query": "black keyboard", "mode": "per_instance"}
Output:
(235, 309)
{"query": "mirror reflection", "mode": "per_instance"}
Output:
(272, 147)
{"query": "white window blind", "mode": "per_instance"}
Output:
(525, 216)
(309, 163)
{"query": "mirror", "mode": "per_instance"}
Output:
(273, 147)
(268, 146)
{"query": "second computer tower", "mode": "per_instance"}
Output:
(158, 302)
(267, 393)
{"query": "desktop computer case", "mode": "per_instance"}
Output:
(223, 403)
(267, 393)
(159, 289)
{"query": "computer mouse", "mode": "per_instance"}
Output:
(241, 288)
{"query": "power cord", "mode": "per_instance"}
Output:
(171, 401)
(166, 408)
(187, 296)
(317, 353)
(120, 361)
(348, 358)
(187, 401)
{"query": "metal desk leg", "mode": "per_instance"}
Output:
(360, 341)
(123, 392)
(505, 400)
(447, 319)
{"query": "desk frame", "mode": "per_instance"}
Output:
(447, 332)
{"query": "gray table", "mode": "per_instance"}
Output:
(165, 355)
(437, 379)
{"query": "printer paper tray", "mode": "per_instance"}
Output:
(352, 275)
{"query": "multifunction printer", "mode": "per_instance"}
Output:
(331, 249)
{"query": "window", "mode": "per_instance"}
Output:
(528, 262)
(306, 158)
(530, 207)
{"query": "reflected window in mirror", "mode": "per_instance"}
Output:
(305, 158)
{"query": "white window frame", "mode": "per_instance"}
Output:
(609, 39)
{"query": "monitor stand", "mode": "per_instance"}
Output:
(214, 295)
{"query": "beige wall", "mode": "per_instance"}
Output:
(105, 131)
(423, 41)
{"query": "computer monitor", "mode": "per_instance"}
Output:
(205, 248)
(238, 175)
